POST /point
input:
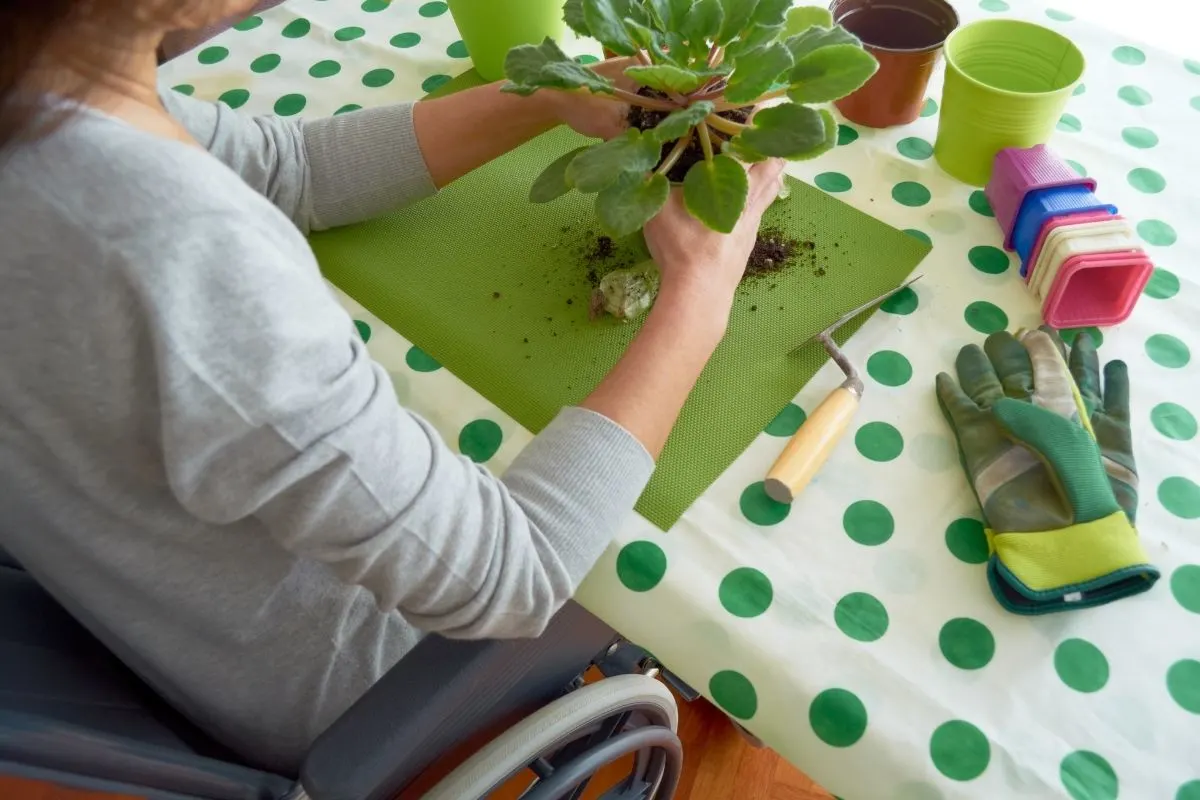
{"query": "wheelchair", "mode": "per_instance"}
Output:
(72, 714)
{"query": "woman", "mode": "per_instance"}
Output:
(197, 456)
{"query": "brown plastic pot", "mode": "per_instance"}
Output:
(906, 37)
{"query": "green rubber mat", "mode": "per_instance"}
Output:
(497, 290)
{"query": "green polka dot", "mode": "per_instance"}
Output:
(1078, 90)
(1189, 791)
(759, 508)
(378, 77)
(349, 34)
(1081, 665)
(861, 617)
(1163, 284)
(889, 368)
(1069, 123)
(458, 50)
(787, 422)
(641, 566)
(988, 259)
(846, 134)
(959, 750)
(833, 182)
(879, 441)
(979, 203)
(290, 104)
(1181, 497)
(1183, 682)
(1185, 585)
(1058, 16)
(1069, 335)
(212, 55)
(1156, 232)
(838, 717)
(1079, 168)
(916, 234)
(1141, 138)
(1167, 351)
(745, 592)
(346, 109)
(325, 69)
(985, 317)
(297, 29)
(929, 108)
(993, 5)
(914, 147)
(373, 6)
(1146, 180)
(1087, 776)
(967, 643)
(405, 40)
(364, 330)
(1173, 421)
(1195, 102)
(265, 63)
(1129, 55)
(235, 98)
(184, 88)
(903, 302)
(480, 439)
(1135, 95)
(435, 9)
(910, 193)
(434, 82)
(868, 522)
(248, 24)
(1191, 66)
(420, 361)
(587, 59)
(733, 692)
(966, 540)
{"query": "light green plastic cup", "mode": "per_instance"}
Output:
(1007, 83)
(490, 28)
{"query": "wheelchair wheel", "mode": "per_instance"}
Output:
(568, 740)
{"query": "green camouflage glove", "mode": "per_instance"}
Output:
(1046, 478)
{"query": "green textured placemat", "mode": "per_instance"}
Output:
(495, 289)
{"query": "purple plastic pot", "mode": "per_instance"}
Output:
(1019, 171)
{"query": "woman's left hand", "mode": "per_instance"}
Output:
(594, 115)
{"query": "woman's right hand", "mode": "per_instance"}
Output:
(699, 262)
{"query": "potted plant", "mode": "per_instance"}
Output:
(702, 67)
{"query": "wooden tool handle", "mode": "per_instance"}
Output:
(811, 445)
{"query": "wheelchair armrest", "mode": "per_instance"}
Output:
(437, 697)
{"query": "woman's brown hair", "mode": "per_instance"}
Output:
(27, 28)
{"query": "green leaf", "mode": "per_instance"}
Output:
(680, 11)
(603, 163)
(642, 36)
(573, 15)
(831, 132)
(756, 71)
(605, 22)
(741, 152)
(815, 38)
(677, 49)
(632, 201)
(757, 37)
(544, 66)
(801, 18)
(669, 78)
(632, 10)
(552, 183)
(737, 17)
(703, 23)
(831, 73)
(771, 12)
(715, 192)
(680, 122)
(660, 12)
(785, 131)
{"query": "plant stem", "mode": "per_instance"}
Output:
(725, 125)
(730, 106)
(705, 141)
(652, 103)
(676, 153)
(643, 58)
(715, 55)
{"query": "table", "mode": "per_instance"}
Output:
(854, 632)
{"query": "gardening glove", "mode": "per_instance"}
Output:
(1057, 536)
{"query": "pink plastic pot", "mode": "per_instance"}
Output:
(1017, 172)
(1059, 222)
(1097, 289)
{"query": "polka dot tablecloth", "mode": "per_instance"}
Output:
(854, 631)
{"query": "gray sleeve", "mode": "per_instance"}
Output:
(322, 173)
(272, 410)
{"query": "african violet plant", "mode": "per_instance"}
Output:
(702, 66)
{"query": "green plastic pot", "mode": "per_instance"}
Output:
(490, 28)
(1007, 83)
